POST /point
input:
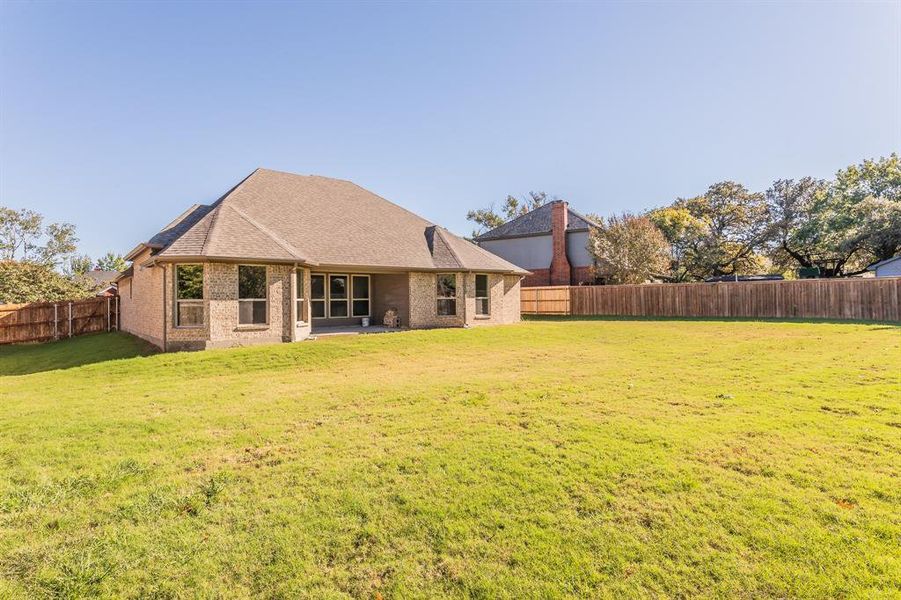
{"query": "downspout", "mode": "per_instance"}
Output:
(293, 300)
(465, 283)
(165, 317)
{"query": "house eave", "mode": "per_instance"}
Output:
(327, 267)
(136, 251)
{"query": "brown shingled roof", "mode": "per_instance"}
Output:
(308, 219)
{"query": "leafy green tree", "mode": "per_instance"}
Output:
(111, 262)
(23, 281)
(628, 249)
(795, 237)
(717, 233)
(78, 265)
(842, 226)
(863, 210)
(489, 218)
(24, 237)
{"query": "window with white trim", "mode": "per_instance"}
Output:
(483, 307)
(447, 294)
(252, 297)
(188, 295)
(360, 295)
(317, 295)
(299, 297)
(337, 296)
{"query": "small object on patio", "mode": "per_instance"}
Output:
(364, 322)
(391, 319)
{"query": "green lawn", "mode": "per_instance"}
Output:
(601, 458)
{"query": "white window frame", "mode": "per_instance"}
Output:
(487, 297)
(186, 302)
(346, 299)
(324, 298)
(266, 299)
(438, 298)
(368, 298)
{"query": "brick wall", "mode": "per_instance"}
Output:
(560, 268)
(512, 301)
(424, 302)
(582, 275)
(222, 293)
(504, 302)
(141, 308)
(539, 277)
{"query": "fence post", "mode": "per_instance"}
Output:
(70, 319)
(108, 327)
(55, 321)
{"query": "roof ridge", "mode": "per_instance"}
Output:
(356, 185)
(440, 231)
(221, 202)
(509, 223)
(581, 216)
(383, 199)
(180, 217)
(209, 230)
(265, 230)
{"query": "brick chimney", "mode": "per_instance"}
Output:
(560, 270)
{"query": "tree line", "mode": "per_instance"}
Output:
(39, 261)
(812, 227)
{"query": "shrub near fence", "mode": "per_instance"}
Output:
(45, 321)
(865, 299)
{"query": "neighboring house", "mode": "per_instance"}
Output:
(891, 267)
(104, 281)
(280, 256)
(550, 241)
(727, 278)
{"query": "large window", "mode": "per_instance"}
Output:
(360, 290)
(188, 295)
(337, 296)
(482, 306)
(317, 296)
(299, 297)
(447, 294)
(251, 295)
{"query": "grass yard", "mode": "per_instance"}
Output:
(601, 458)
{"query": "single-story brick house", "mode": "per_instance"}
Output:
(281, 256)
(551, 242)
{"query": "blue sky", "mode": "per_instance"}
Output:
(117, 116)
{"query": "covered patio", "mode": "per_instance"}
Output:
(340, 302)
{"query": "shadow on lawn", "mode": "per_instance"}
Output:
(564, 318)
(23, 359)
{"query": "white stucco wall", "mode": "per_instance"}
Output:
(577, 249)
(533, 252)
(890, 269)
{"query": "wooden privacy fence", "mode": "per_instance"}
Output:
(45, 321)
(550, 300)
(869, 299)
